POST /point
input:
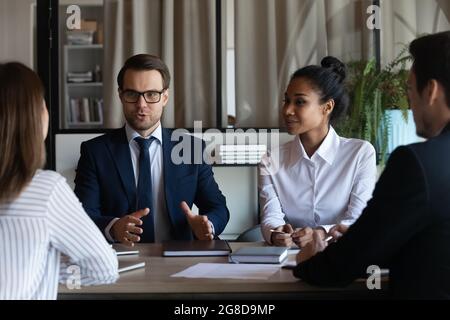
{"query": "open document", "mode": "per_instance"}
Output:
(229, 271)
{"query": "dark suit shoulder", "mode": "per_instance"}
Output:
(431, 147)
(182, 137)
(433, 155)
(402, 155)
(403, 171)
(104, 138)
(178, 135)
(184, 145)
(434, 158)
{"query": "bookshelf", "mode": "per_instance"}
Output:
(81, 68)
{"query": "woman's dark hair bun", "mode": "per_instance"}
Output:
(336, 65)
(328, 81)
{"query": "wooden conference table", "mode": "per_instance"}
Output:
(155, 282)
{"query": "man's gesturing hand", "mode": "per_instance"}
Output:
(199, 223)
(125, 229)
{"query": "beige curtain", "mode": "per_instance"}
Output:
(404, 20)
(276, 37)
(182, 33)
(272, 39)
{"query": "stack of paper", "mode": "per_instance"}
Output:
(228, 271)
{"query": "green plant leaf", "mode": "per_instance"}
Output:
(372, 92)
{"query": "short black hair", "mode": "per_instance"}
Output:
(141, 62)
(328, 79)
(431, 55)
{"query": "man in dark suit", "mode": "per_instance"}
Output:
(406, 225)
(139, 185)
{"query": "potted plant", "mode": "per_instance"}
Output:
(374, 94)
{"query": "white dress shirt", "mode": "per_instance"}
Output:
(45, 222)
(333, 186)
(160, 214)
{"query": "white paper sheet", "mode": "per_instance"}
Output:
(229, 271)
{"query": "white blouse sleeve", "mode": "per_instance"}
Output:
(363, 186)
(272, 215)
(75, 235)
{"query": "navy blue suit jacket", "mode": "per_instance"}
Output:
(106, 187)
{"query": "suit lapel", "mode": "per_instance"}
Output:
(120, 152)
(180, 225)
(169, 169)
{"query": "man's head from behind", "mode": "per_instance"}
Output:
(429, 83)
(143, 85)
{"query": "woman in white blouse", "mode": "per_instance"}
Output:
(40, 217)
(318, 182)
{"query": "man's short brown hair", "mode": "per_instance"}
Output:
(143, 62)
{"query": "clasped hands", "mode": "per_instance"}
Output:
(310, 240)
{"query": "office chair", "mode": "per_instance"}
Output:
(251, 235)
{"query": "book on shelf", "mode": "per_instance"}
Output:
(84, 114)
(85, 110)
(243, 147)
(240, 157)
(80, 37)
(240, 154)
(88, 25)
(74, 110)
(239, 162)
(266, 254)
(230, 152)
(194, 248)
(80, 77)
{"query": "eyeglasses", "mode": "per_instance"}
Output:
(150, 96)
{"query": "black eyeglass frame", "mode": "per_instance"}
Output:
(139, 94)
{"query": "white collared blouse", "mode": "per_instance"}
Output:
(333, 186)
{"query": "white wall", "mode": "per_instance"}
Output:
(239, 185)
(67, 153)
(17, 21)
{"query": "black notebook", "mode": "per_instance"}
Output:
(196, 248)
(259, 255)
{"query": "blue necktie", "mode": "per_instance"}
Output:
(144, 189)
